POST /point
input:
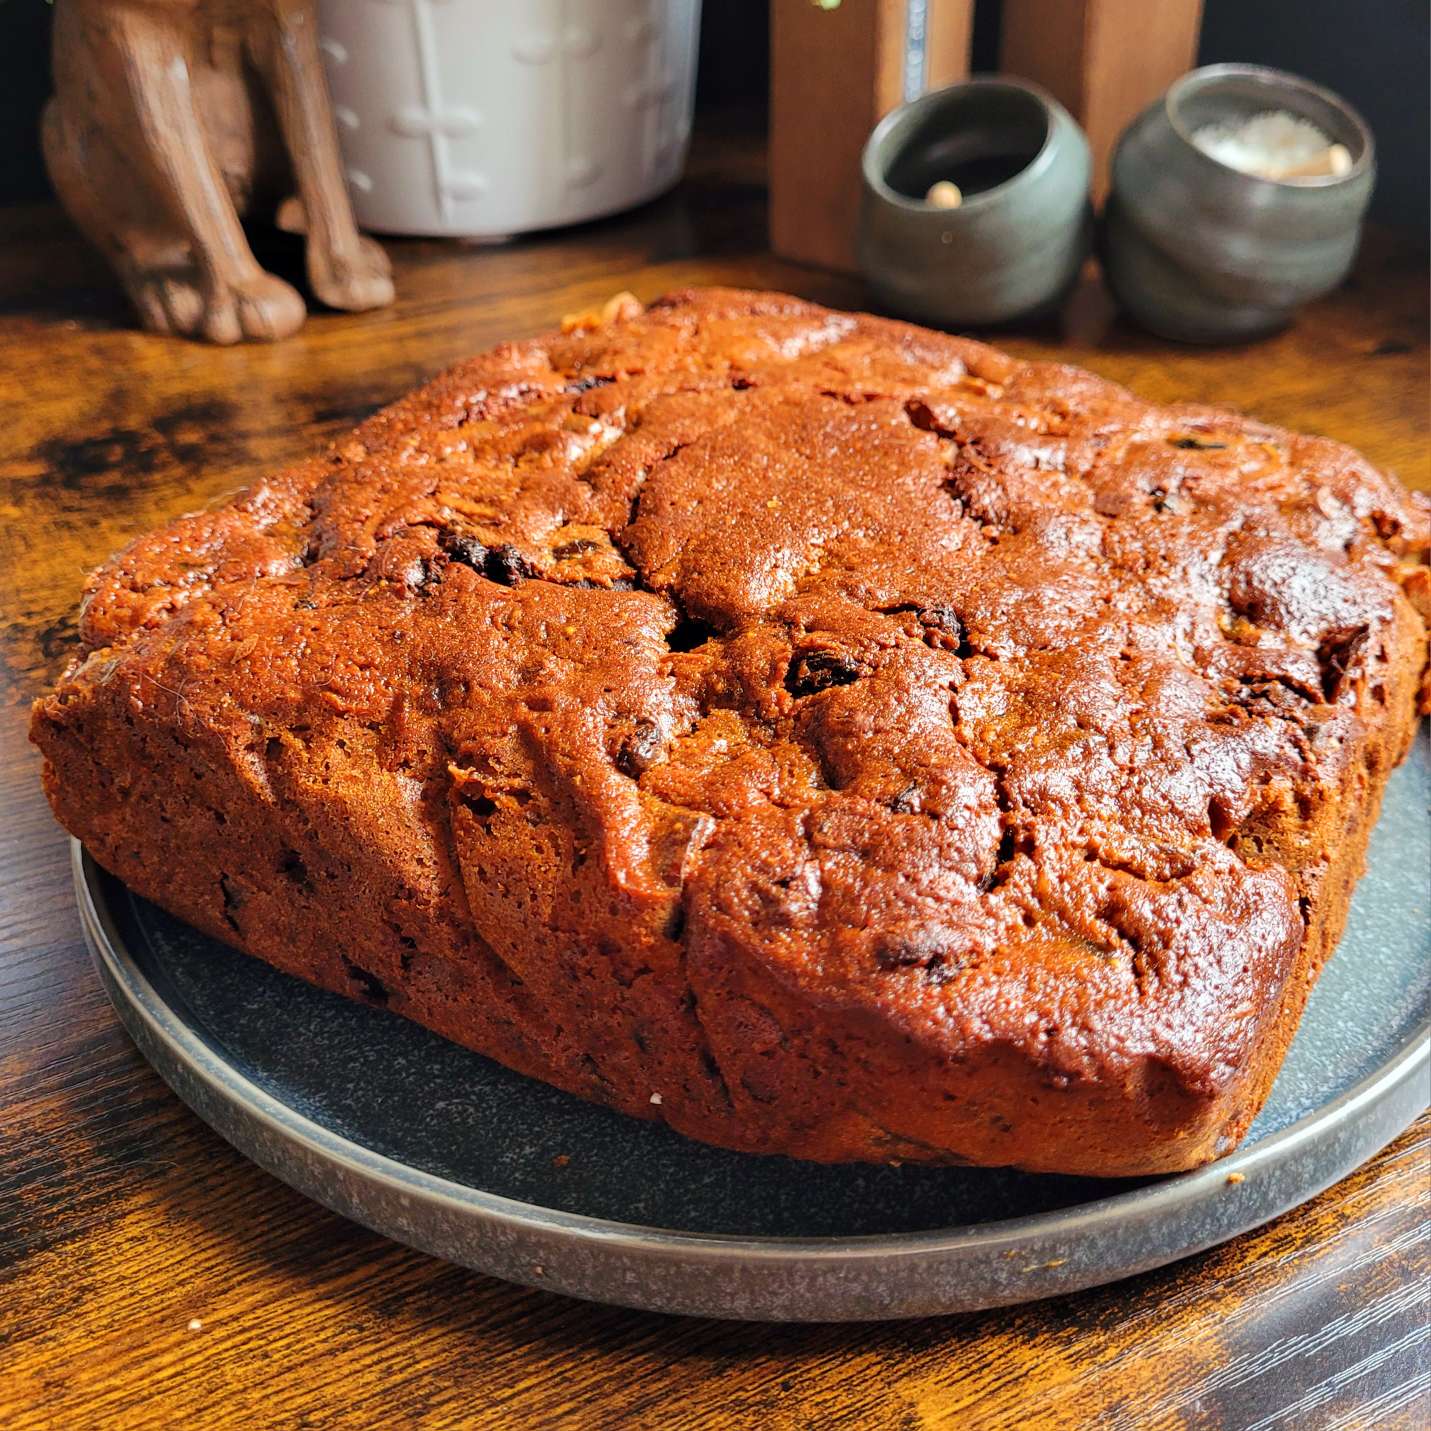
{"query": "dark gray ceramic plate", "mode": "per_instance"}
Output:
(444, 1150)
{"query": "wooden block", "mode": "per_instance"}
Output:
(1106, 60)
(950, 26)
(834, 73)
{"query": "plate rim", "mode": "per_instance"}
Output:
(195, 1056)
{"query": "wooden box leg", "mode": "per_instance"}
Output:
(834, 73)
(1105, 60)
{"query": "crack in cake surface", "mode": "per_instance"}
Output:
(843, 728)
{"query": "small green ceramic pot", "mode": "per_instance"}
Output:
(1199, 251)
(1015, 245)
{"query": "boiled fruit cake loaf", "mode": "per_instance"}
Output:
(830, 737)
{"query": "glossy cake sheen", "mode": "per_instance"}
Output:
(829, 736)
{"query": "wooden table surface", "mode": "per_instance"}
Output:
(150, 1277)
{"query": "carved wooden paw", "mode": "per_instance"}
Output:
(178, 300)
(354, 279)
(261, 307)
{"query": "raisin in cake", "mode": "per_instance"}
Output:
(831, 737)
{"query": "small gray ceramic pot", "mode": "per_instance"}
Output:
(1015, 245)
(1199, 251)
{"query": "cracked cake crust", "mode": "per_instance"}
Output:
(874, 746)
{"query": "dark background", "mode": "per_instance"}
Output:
(1372, 52)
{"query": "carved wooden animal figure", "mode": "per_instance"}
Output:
(162, 132)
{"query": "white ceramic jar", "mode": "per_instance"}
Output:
(483, 118)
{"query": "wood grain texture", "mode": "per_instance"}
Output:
(1105, 60)
(949, 36)
(834, 73)
(124, 1221)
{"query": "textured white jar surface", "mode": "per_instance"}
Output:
(480, 118)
